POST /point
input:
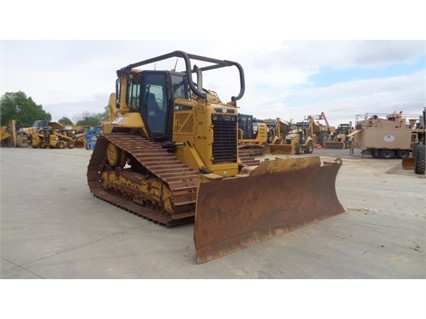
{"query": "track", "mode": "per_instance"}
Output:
(177, 176)
(246, 156)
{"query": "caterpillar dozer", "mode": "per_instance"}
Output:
(169, 153)
(252, 136)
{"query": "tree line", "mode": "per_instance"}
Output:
(20, 107)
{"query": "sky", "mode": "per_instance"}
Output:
(290, 79)
(287, 77)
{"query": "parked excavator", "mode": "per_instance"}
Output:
(169, 153)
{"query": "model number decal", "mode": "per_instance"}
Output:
(118, 120)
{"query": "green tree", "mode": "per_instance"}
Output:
(90, 119)
(17, 106)
(65, 121)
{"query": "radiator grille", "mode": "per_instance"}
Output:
(225, 138)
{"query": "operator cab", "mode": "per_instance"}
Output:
(152, 94)
(248, 125)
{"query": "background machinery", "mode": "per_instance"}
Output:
(277, 131)
(91, 136)
(52, 139)
(169, 153)
(299, 139)
(417, 160)
(323, 132)
(9, 136)
(252, 135)
(45, 134)
(340, 139)
(383, 135)
(42, 134)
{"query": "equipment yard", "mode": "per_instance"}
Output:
(53, 227)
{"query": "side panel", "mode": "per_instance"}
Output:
(207, 136)
(387, 138)
(126, 121)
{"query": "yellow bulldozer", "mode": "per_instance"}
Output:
(252, 135)
(169, 153)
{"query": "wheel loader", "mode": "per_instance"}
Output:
(169, 153)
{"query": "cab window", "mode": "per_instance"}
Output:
(133, 95)
(156, 102)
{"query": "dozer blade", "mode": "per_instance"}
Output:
(277, 197)
(279, 149)
(408, 163)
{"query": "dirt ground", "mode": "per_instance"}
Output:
(52, 227)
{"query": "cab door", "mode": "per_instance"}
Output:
(155, 106)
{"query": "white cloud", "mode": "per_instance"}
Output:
(342, 101)
(312, 55)
(72, 77)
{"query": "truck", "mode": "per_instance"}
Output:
(383, 135)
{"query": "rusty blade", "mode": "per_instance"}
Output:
(237, 213)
